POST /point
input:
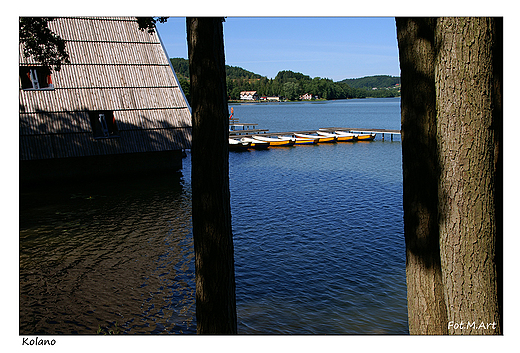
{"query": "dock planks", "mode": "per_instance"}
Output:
(261, 132)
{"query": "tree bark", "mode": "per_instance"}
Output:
(467, 136)
(452, 167)
(213, 243)
(426, 308)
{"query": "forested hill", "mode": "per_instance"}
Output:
(181, 67)
(291, 85)
(370, 82)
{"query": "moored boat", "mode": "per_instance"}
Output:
(320, 139)
(237, 145)
(256, 144)
(305, 141)
(366, 137)
(277, 141)
(344, 137)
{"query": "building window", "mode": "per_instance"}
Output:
(35, 78)
(103, 124)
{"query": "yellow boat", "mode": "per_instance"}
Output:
(277, 141)
(343, 137)
(305, 141)
(366, 137)
(320, 139)
(256, 144)
(346, 136)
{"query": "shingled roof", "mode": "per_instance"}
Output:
(118, 95)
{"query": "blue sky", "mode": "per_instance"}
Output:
(328, 47)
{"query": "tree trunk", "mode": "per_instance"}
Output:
(213, 243)
(451, 137)
(467, 136)
(426, 308)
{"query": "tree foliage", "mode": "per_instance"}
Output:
(148, 23)
(181, 66)
(235, 72)
(48, 48)
(41, 43)
(370, 82)
(291, 85)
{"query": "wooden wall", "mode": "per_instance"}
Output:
(114, 66)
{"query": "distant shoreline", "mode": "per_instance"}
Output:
(303, 101)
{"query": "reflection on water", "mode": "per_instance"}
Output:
(113, 256)
(318, 238)
(319, 245)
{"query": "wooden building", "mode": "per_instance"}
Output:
(308, 96)
(249, 95)
(117, 107)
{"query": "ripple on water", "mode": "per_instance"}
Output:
(318, 239)
(314, 246)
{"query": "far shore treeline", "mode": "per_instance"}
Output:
(291, 85)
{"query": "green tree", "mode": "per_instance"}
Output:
(181, 67)
(369, 82)
(185, 85)
(48, 48)
(215, 292)
(41, 43)
(148, 23)
(290, 90)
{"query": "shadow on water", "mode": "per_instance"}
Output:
(107, 255)
(318, 237)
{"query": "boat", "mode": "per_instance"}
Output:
(277, 141)
(320, 139)
(366, 137)
(346, 136)
(256, 144)
(237, 145)
(305, 141)
(339, 137)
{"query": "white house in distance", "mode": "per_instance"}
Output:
(308, 96)
(249, 95)
(270, 98)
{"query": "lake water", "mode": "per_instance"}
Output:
(318, 236)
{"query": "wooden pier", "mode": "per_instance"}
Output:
(237, 129)
(367, 131)
(243, 129)
(262, 132)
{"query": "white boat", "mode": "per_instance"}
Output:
(348, 136)
(340, 138)
(365, 137)
(256, 144)
(277, 141)
(320, 139)
(237, 145)
(305, 140)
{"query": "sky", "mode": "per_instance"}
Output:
(329, 47)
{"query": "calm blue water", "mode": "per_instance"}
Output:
(318, 236)
(318, 230)
(382, 113)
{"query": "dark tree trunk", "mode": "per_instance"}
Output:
(467, 136)
(451, 137)
(213, 243)
(426, 308)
